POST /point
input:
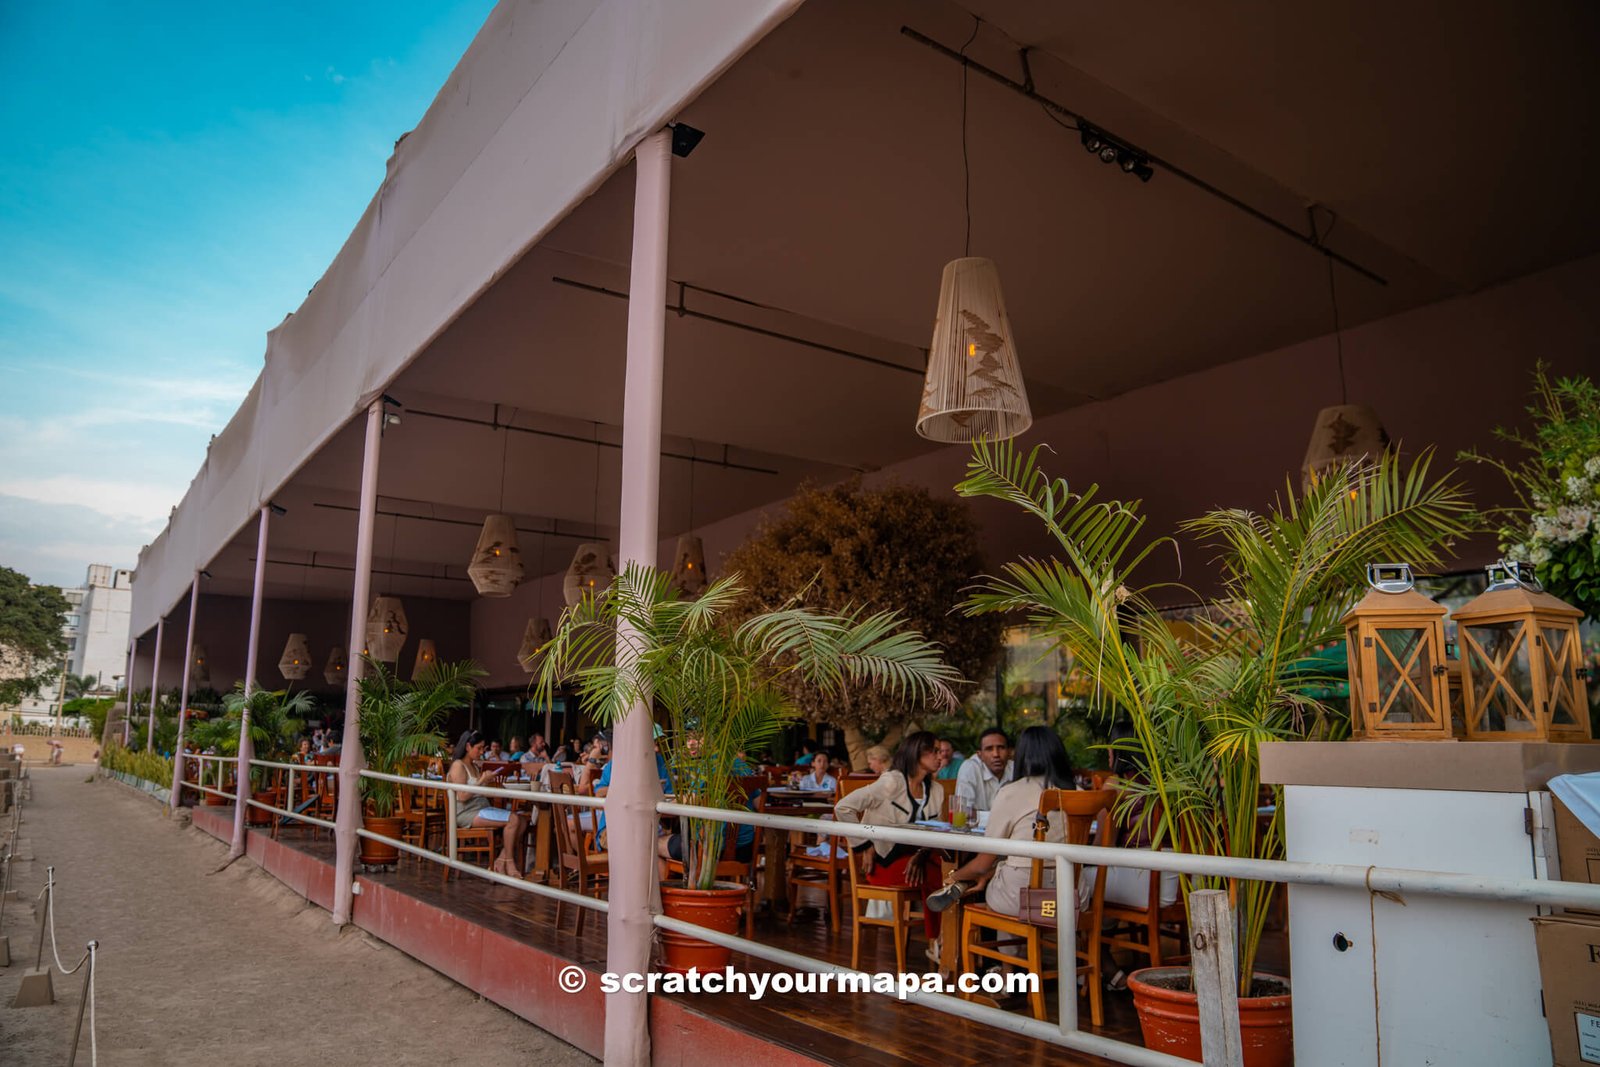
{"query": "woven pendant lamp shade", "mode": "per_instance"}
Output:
(590, 571)
(337, 668)
(689, 566)
(974, 385)
(386, 629)
(496, 567)
(200, 669)
(295, 663)
(1344, 433)
(535, 636)
(427, 656)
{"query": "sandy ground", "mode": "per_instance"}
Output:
(202, 968)
(73, 749)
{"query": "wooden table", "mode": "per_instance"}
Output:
(809, 803)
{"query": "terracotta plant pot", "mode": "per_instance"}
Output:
(1169, 1017)
(376, 853)
(212, 799)
(257, 817)
(716, 909)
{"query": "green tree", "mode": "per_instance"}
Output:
(849, 549)
(78, 685)
(31, 642)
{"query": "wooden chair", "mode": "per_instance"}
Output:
(900, 900)
(475, 844)
(1082, 810)
(825, 873)
(1139, 930)
(577, 867)
(327, 786)
(419, 822)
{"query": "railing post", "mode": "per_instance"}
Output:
(1066, 944)
(1215, 977)
(450, 823)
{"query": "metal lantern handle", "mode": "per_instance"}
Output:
(1509, 573)
(1390, 577)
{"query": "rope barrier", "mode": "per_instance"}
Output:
(48, 895)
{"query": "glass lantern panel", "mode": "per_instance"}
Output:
(1559, 670)
(1502, 681)
(1405, 676)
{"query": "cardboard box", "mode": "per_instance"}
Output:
(1569, 964)
(1579, 850)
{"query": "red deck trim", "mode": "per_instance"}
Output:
(521, 977)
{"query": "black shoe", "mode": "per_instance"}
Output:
(947, 896)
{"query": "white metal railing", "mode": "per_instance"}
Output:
(1537, 892)
(288, 810)
(199, 784)
(448, 858)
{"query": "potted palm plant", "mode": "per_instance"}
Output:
(276, 718)
(401, 720)
(721, 689)
(1200, 707)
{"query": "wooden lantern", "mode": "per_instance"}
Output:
(1524, 678)
(973, 386)
(689, 568)
(295, 663)
(337, 669)
(1394, 638)
(535, 636)
(590, 571)
(1344, 433)
(496, 567)
(427, 656)
(200, 669)
(386, 629)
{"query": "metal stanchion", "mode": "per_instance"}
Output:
(5, 894)
(36, 990)
(88, 995)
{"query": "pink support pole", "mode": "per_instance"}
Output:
(348, 817)
(155, 694)
(635, 789)
(247, 748)
(127, 710)
(176, 793)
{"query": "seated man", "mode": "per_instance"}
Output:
(980, 778)
(818, 780)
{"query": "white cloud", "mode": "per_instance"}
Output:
(55, 543)
(141, 505)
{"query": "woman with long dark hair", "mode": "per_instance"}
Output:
(474, 809)
(1041, 763)
(904, 794)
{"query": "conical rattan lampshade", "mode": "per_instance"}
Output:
(1344, 433)
(200, 669)
(337, 668)
(590, 571)
(973, 386)
(295, 663)
(386, 629)
(427, 656)
(689, 566)
(496, 567)
(535, 636)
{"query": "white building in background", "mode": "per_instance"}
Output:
(97, 631)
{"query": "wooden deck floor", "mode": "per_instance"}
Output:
(834, 1028)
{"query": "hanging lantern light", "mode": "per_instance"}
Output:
(689, 570)
(590, 571)
(386, 629)
(427, 656)
(200, 669)
(535, 636)
(337, 668)
(496, 567)
(1344, 433)
(1523, 676)
(295, 663)
(973, 387)
(1394, 639)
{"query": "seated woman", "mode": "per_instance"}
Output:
(1130, 886)
(476, 810)
(1041, 763)
(303, 753)
(878, 759)
(903, 794)
(818, 780)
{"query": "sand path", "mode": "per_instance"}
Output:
(203, 968)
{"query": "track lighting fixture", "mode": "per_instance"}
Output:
(277, 509)
(1098, 143)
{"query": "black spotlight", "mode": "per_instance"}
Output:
(1092, 141)
(1108, 154)
(1142, 170)
(684, 139)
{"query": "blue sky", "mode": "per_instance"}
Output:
(174, 178)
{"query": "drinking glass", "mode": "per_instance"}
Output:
(958, 813)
